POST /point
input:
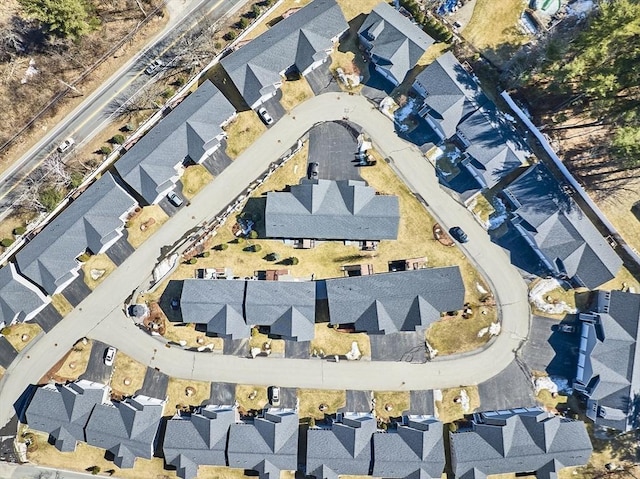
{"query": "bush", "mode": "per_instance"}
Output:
(253, 234)
(230, 35)
(206, 254)
(128, 127)
(192, 261)
(239, 240)
(273, 257)
(84, 257)
(437, 30)
(222, 247)
(118, 139)
(95, 470)
(256, 10)
(5, 331)
(242, 23)
(6, 242)
(168, 93)
(76, 179)
(105, 150)
(20, 230)
(50, 198)
(293, 261)
(256, 248)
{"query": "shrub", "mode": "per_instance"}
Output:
(437, 30)
(6, 242)
(20, 230)
(179, 81)
(239, 240)
(192, 261)
(105, 150)
(273, 257)
(206, 254)
(222, 247)
(168, 93)
(84, 257)
(76, 179)
(95, 470)
(128, 127)
(50, 198)
(253, 234)
(5, 331)
(293, 260)
(118, 139)
(256, 248)
(242, 23)
(230, 35)
(256, 10)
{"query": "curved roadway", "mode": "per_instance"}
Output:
(101, 315)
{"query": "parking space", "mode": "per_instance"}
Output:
(77, 291)
(155, 384)
(407, 346)
(7, 438)
(7, 352)
(321, 80)
(97, 370)
(222, 394)
(120, 250)
(169, 208)
(288, 397)
(236, 347)
(218, 160)
(421, 402)
(296, 349)
(550, 350)
(274, 107)
(512, 388)
(358, 401)
(333, 146)
(48, 318)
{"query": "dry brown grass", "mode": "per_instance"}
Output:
(275, 17)
(177, 394)
(75, 363)
(195, 177)
(12, 221)
(548, 402)
(352, 9)
(624, 279)
(398, 401)
(135, 235)
(2, 371)
(311, 399)
(333, 342)
(61, 304)
(454, 334)
(619, 209)
(177, 332)
(14, 334)
(245, 129)
(243, 392)
(126, 368)
(99, 262)
(448, 411)
(295, 92)
(221, 472)
(258, 340)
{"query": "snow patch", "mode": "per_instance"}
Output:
(537, 297)
(500, 215)
(403, 113)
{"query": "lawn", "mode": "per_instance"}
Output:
(220, 472)
(311, 399)
(258, 340)
(333, 342)
(128, 375)
(482, 208)
(454, 334)
(144, 224)
(623, 280)
(295, 92)
(391, 404)
(183, 393)
(15, 333)
(449, 411)
(61, 304)
(494, 28)
(352, 9)
(195, 177)
(75, 363)
(12, 221)
(177, 332)
(243, 131)
(101, 263)
(275, 16)
(251, 397)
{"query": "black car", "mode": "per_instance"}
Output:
(458, 234)
(312, 171)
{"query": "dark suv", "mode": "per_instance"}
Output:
(312, 171)
(459, 234)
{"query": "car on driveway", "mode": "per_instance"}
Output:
(458, 234)
(566, 328)
(312, 170)
(264, 114)
(274, 396)
(154, 66)
(66, 145)
(109, 356)
(175, 199)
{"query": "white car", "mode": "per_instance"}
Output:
(175, 199)
(109, 356)
(274, 396)
(154, 66)
(264, 114)
(66, 145)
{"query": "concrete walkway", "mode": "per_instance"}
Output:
(101, 315)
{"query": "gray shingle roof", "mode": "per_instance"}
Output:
(268, 444)
(563, 233)
(19, 299)
(396, 43)
(400, 301)
(92, 221)
(297, 41)
(288, 308)
(151, 166)
(324, 209)
(492, 154)
(412, 450)
(198, 439)
(452, 93)
(126, 429)
(521, 440)
(344, 448)
(63, 410)
(218, 303)
(609, 360)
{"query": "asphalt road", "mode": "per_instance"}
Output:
(101, 315)
(94, 113)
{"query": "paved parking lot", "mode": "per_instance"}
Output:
(321, 80)
(222, 394)
(408, 346)
(333, 146)
(97, 370)
(296, 349)
(120, 250)
(274, 107)
(218, 160)
(7, 352)
(550, 350)
(77, 291)
(48, 318)
(155, 384)
(421, 402)
(358, 401)
(512, 388)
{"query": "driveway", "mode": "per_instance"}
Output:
(97, 371)
(511, 388)
(222, 394)
(7, 352)
(288, 397)
(236, 347)
(376, 87)
(155, 384)
(407, 346)
(275, 108)
(321, 80)
(217, 161)
(421, 402)
(47, 318)
(169, 208)
(296, 349)
(77, 291)
(333, 146)
(120, 250)
(549, 350)
(358, 401)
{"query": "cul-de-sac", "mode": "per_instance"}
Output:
(319, 239)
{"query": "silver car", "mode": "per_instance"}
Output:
(264, 114)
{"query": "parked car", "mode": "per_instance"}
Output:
(264, 114)
(312, 170)
(109, 356)
(458, 234)
(154, 66)
(175, 199)
(66, 145)
(274, 396)
(567, 328)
